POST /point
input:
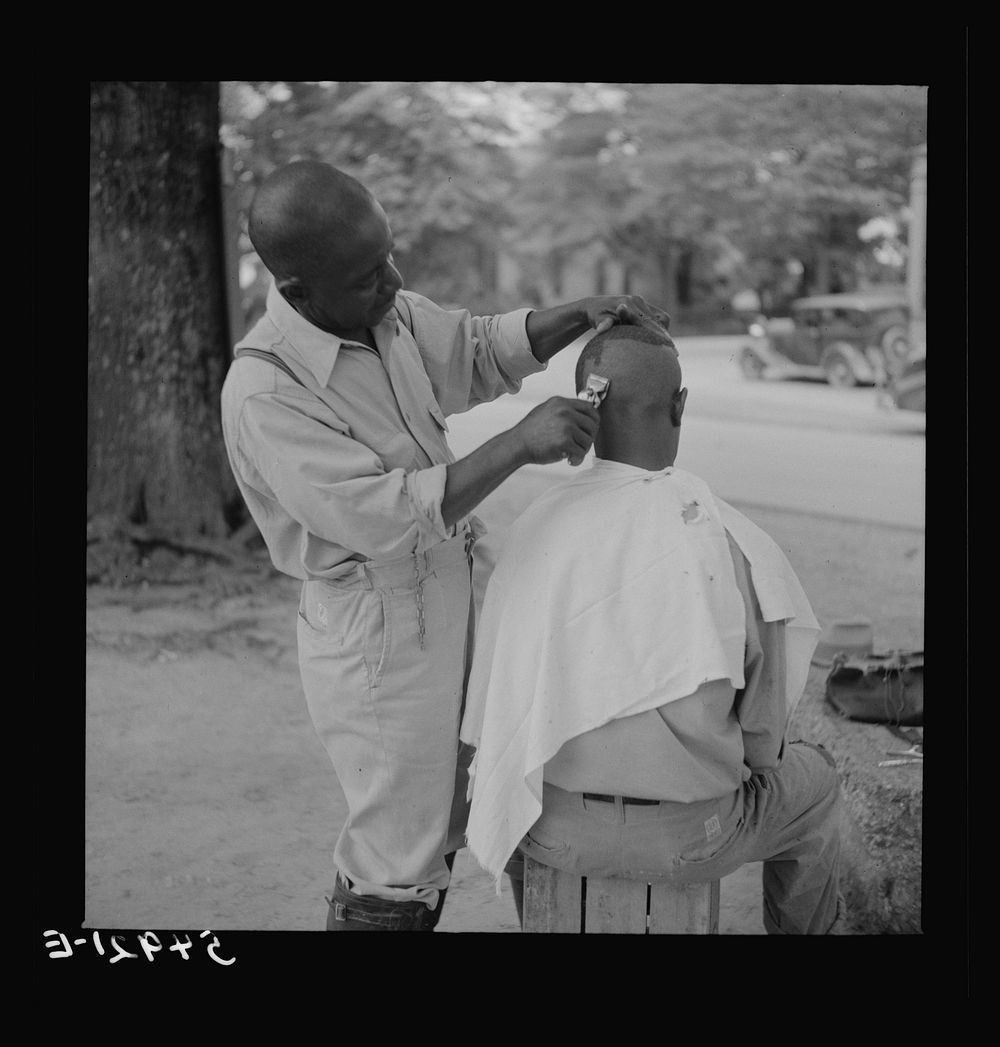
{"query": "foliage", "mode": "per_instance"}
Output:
(697, 189)
(440, 175)
(771, 172)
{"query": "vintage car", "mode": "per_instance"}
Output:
(848, 339)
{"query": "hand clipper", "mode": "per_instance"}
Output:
(593, 392)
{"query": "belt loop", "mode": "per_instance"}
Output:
(364, 575)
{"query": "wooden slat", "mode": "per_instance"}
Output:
(615, 906)
(686, 910)
(552, 900)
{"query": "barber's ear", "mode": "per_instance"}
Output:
(291, 289)
(677, 406)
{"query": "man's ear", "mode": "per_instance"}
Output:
(677, 406)
(291, 289)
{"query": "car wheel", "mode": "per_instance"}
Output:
(838, 370)
(896, 345)
(751, 365)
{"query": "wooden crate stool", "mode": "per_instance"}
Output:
(557, 902)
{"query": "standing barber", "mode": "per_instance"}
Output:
(336, 436)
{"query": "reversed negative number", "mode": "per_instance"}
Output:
(149, 945)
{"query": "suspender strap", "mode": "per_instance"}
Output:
(273, 358)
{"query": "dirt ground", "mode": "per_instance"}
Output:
(210, 802)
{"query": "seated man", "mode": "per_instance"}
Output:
(641, 647)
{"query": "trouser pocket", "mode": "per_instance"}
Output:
(346, 621)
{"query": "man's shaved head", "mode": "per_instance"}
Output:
(327, 243)
(301, 212)
(642, 364)
(641, 413)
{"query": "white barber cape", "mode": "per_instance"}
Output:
(615, 594)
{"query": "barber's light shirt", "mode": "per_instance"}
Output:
(615, 595)
(353, 465)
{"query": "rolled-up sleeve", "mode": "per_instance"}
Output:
(470, 359)
(760, 705)
(336, 490)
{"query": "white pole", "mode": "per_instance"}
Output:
(916, 285)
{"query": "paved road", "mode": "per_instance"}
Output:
(777, 443)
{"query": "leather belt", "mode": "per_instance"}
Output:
(604, 798)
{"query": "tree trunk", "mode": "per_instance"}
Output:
(684, 278)
(600, 275)
(806, 281)
(823, 257)
(666, 261)
(556, 266)
(486, 255)
(158, 340)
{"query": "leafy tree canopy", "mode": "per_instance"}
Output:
(756, 171)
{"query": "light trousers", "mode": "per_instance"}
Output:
(788, 818)
(383, 656)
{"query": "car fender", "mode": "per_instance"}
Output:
(764, 350)
(860, 364)
(896, 335)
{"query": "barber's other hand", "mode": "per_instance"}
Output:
(603, 313)
(559, 428)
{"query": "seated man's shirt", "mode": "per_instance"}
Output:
(701, 747)
(618, 597)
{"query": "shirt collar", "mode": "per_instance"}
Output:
(316, 348)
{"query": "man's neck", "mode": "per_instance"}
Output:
(364, 337)
(362, 334)
(650, 462)
(649, 455)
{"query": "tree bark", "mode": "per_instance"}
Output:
(600, 275)
(158, 339)
(684, 278)
(666, 262)
(556, 266)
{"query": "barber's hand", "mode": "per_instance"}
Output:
(604, 313)
(559, 428)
